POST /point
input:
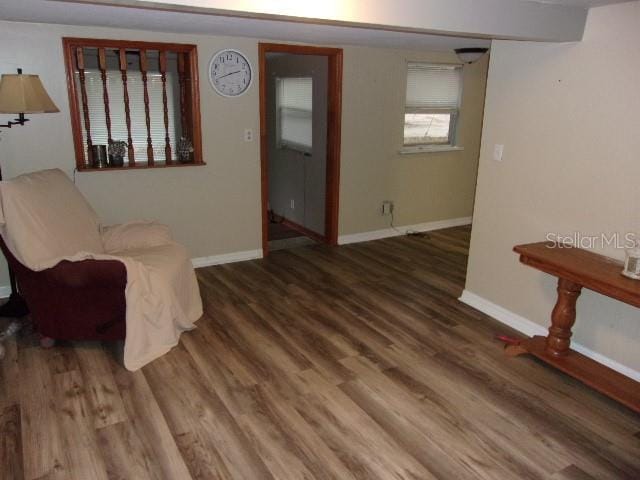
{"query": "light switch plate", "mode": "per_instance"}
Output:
(498, 149)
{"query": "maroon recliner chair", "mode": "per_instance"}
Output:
(74, 300)
(85, 281)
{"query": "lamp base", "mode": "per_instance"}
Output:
(15, 307)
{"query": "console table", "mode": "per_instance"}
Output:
(576, 269)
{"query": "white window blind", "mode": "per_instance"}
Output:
(93, 84)
(294, 106)
(432, 103)
(432, 88)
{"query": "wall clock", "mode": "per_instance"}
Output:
(230, 73)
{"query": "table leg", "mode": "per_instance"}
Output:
(563, 318)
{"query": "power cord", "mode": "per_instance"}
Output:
(393, 226)
(409, 233)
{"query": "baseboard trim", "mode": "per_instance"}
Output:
(529, 328)
(226, 258)
(390, 232)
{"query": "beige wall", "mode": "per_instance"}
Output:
(568, 117)
(212, 209)
(215, 209)
(424, 187)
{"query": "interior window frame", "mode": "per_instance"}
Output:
(455, 113)
(191, 97)
(286, 144)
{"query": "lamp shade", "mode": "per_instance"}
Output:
(470, 55)
(24, 94)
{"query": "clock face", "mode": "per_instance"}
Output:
(230, 73)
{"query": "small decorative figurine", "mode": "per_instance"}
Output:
(99, 156)
(117, 150)
(184, 149)
(632, 263)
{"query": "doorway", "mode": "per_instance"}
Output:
(300, 122)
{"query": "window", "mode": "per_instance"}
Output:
(142, 94)
(294, 111)
(432, 104)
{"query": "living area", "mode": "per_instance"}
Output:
(174, 346)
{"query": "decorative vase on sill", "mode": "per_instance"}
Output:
(99, 156)
(117, 150)
(632, 263)
(184, 149)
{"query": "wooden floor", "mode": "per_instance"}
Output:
(279, 231)
(354, 362)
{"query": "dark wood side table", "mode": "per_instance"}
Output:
(576, 269)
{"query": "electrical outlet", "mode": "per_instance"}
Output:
(387, 207)
(293, 204)
(248, 135)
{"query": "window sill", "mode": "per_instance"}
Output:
(430, 149)
(141, 167)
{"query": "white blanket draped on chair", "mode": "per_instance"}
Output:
(45, 220)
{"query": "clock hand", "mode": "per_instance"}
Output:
(227, 74)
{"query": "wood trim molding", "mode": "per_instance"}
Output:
(334, 137)
(143, 166)
(264, 146)
(334, 129)
(192, 107)
(74, 111)
(133, 44)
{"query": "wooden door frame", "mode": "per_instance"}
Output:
(334, 126)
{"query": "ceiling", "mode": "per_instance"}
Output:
(580, 3)
(43, 11)
(103, 13)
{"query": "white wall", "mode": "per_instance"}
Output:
(568, 115)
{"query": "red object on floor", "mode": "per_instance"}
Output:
(508, 340)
